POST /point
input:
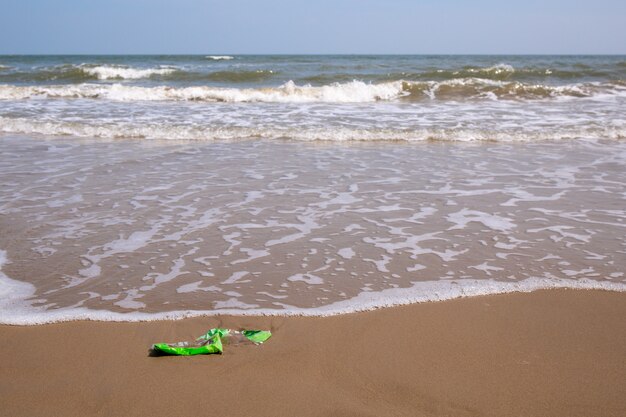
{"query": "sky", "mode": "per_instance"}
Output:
(312, 27)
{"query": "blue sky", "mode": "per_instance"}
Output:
(324, 26)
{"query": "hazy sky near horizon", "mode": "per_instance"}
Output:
(303, 27)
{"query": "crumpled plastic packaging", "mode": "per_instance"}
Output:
(212, 341)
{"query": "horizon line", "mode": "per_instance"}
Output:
(311, 54)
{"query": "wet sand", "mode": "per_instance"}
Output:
(547, 353)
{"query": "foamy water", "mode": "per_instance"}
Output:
(139, 230)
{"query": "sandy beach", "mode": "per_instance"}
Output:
(547, 353)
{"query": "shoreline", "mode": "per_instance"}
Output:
(546, 353)
(439, 291)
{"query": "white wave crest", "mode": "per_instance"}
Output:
(498, 69)
(352, 92)
(106, 72)
(220, 57)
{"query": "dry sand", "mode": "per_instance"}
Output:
(548, 353)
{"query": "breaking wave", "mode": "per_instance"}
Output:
(220, 57)
(85, 72)
(107, 72)
(88, 72)
(507, 72)
(349, 92)
(352, 92)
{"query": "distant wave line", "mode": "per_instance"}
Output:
(500, 72)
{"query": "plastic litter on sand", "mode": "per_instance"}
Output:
(212, 342)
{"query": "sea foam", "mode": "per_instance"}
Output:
(107, 72)
(13, 307)
(220, 57)
(15, 311)
(163, 131)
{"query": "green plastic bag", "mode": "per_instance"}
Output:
(213, 342)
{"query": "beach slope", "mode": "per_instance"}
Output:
(547, 353)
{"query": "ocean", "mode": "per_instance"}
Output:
(150, 187)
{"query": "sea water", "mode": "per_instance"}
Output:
(144, 187)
